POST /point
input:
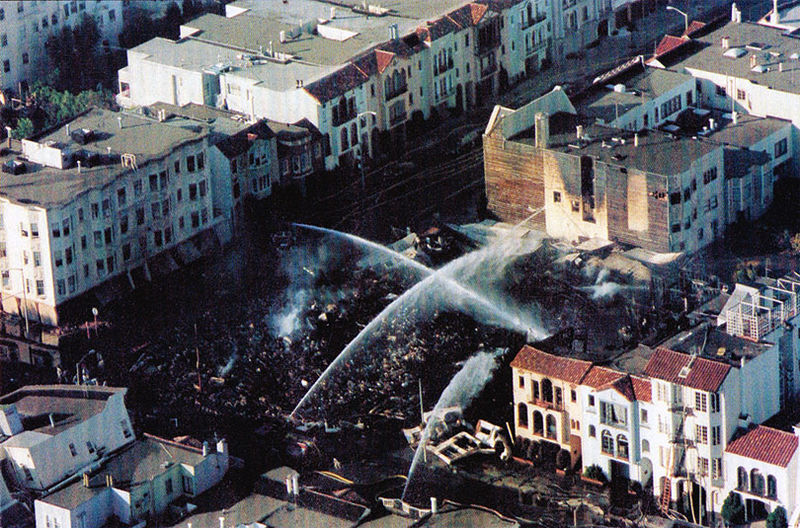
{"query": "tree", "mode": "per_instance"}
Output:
(191, 8)
(732, 509)
(138, 28)
(73, 51)
(24, 128)
(777, 518)
(171, 23)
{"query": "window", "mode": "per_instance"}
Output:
(644, 416)
(153, 178)
(710, 175)
(157, 238)
(781, 148)
(71, 283)
(4, 40)
(126, 432)
(67, 255)
(165, 208)
(591, 400)
(72, 449)
(190, 163)
(200, 161)
(573, 395)
(137, 188)
(20, 7)
(95, 211)
(187, 485)
(740, 95)
(90, 447)
(2, 14)
(112, 15)
(140, 216)
(700, 401)
(106, 207)
(6, 279)
(65, 225)
(203, 188)
(592, 431)
(675, 198)
(35, 230)
(56, 230)
(121, 198)
(100, 265)
(613, 414)
(702, 465)
(163, 180)
(155, 210)
(522, 416)
(123, 224)
(57, 259)
(720, 90)
(715, 435)
(645, 446)
(168, 486)
(193, 191)
(107, 235)
(701, 434)
(40, 287)
(607, 446)
(177, 166)
(716, 468)
(622, 447)
(556, 197)
(714, 397)
(521, 382)
(126, 252)
(772, 487)
(83, 241)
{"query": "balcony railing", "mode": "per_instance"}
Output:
(489, 69)
(533, 21)
(340, 119)
(443, 66)
(397, 118)
(396, 91)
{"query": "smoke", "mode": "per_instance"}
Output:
(605, 290)
(223, 371)
(461, 391)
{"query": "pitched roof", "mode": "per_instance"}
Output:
(630, 387)
(670, 43)
(337, 83)
(703, 374)
(642, 389)
(566, 369)
(694, 28)
(468, 15)
(598, 377)
(766, 445)
(384, 59)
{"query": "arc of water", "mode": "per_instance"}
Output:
(442, 276)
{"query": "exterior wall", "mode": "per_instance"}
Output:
(784, 477)
(527, 36)
(50, 461)
(147, 82)
(97, 243)
(23, 29)
(50, 515)
(593, 452)
(634, 119)
(209, 472)
(514, 179)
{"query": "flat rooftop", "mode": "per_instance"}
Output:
(771, 46)
(658, 152)
(146, 138)
(719, 345)
(607, 103)
(139, 463)
(69, 405)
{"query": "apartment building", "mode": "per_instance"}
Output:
(52, 432)
(669, 177)
(358, 75)
(108, 197)
(139, 483)
(26, 25)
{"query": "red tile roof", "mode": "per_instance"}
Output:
(384, 59)
(642, 389)
(536, 361)
(599, 376)
(694, 27)
(766, 445)
(337, 83)
(704, 374)
(670, 43)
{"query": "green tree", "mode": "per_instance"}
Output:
(138, 28)
(74, 52)
(171, 23)
(732, 509)
(777, 518)
(23, 129)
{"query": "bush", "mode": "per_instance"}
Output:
(732, 509)
(777, 518)
(24, 128)
(563, 459)
(594, 472)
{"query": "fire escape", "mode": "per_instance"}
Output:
(679, 443)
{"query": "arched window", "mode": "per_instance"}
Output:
(551, 427)
(343, 143)
(741, 478)
(592, 431)
(535, 390)
(354, 134)
(622, 447)
(538, 423)
(559, 397)
(608, 443)
(772, 487)
(645, 446)
(756, 482)
(547, 390)
(522, 416)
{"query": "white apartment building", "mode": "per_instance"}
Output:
(139, 483)
(107, 197)
(49, 433)
(26, 25)
(306, 60)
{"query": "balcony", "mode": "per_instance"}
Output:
(396, 91)
(440, 67)
(530, 22)
(530, 50)
(397, 119)
(342, 118)
(549, 405)
(488, 69)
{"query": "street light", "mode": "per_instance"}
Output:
(685, 18)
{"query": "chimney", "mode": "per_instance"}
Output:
(736, 14)
(222, 447)
(635, 139)
(271, 49)
(579, 132)
(295, 484)
(726, 42)
(282, 36)
(394, 32)
(85, 480)
(52, 420)
(542, 130)
(288, 486)
(775, 16)
(711, 124)
(66, 129)
(119, 122)
(222, 522)
(333, 13)
(780, 66)
(205, 449)
(79, 166)
(735, 117)
(434, 505)
(8, 135)
(753, 60)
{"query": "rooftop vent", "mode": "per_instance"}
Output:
(684, 372)
(82, 136)
(14, 167)
(619, 88)
(735, 53)
(726, 42)
(756, 46)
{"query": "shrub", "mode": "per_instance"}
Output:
(732, 509)
(594, 472)
(777, 518)
(563, 459)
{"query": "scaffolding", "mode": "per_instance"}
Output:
(759, 313)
